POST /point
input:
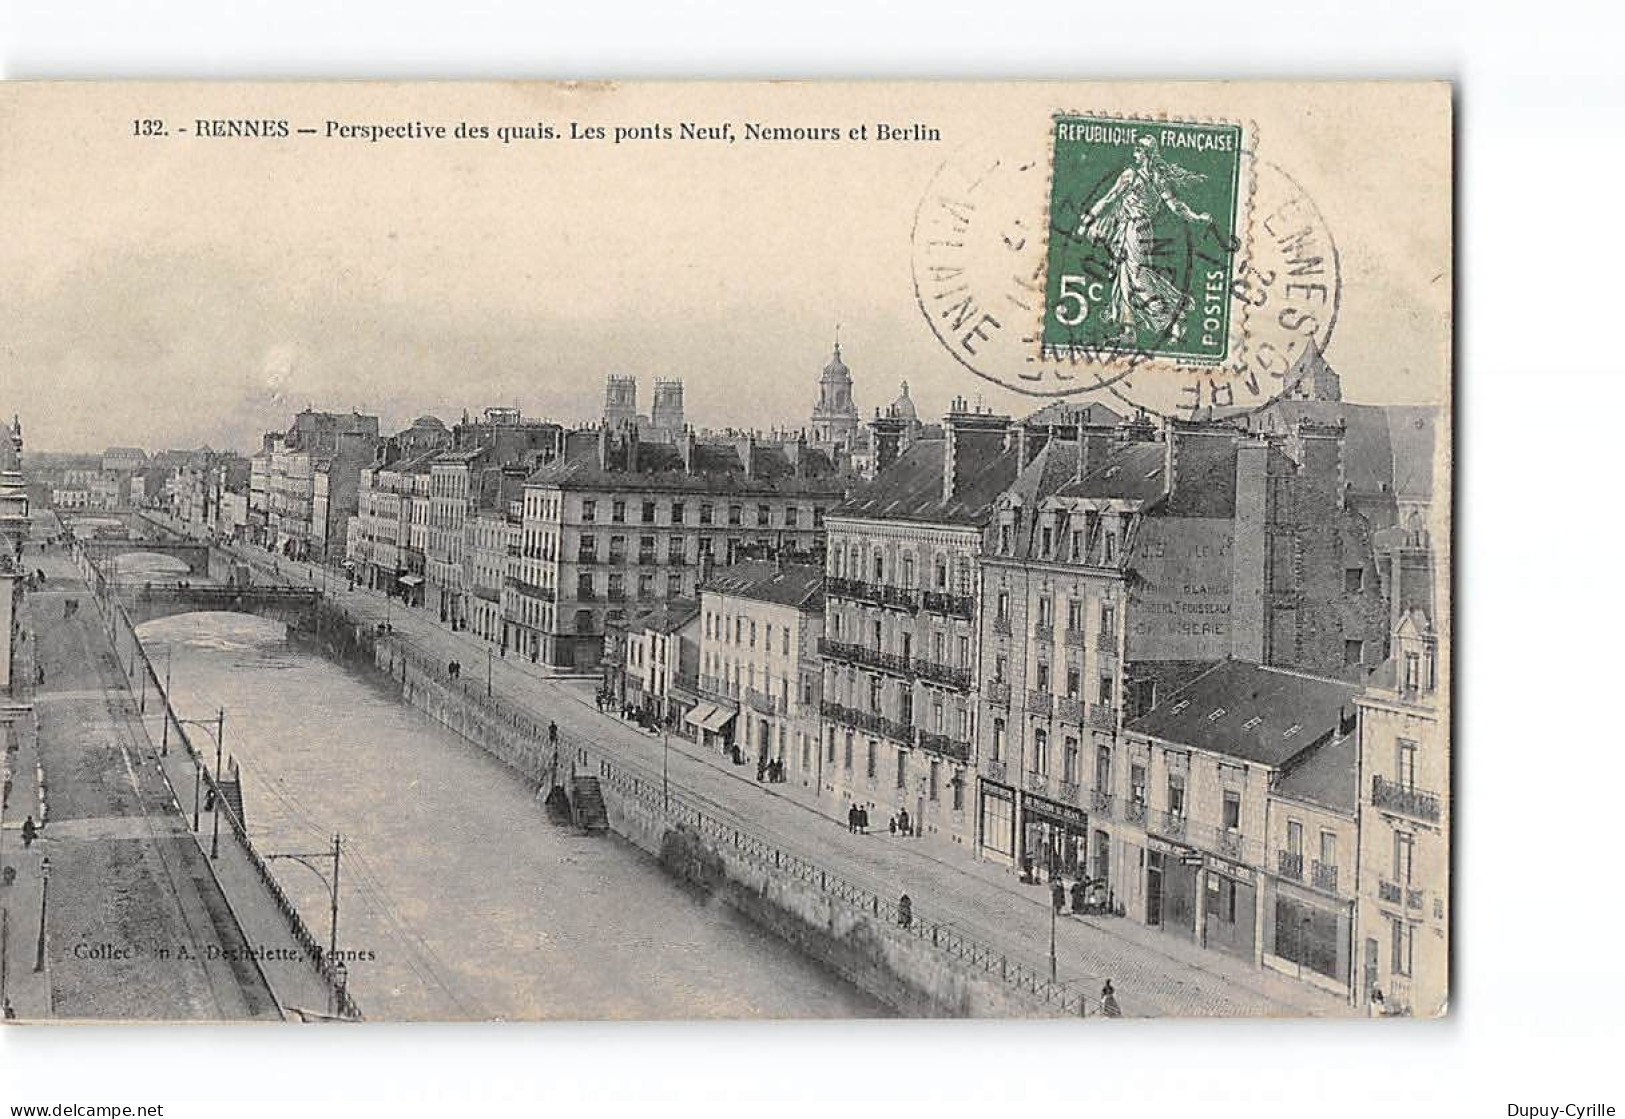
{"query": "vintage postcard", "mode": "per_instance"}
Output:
(781, 550)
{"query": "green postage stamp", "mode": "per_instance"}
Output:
(1142, 239)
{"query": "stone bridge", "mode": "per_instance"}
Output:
(194, 554)
(293, 606)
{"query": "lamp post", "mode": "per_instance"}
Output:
(1052, 912)
(169, 662)
(488, 671)
(217, 729)
(665, 770)
(44, 892)
(305, 859)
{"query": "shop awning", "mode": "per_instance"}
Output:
(411, 580)
(719, 718)
(698, 715)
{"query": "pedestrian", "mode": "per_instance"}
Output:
(1057, 895)
(852, 818)
(891, 825)
(902, 822)
(905, 911)
(553, 734)
(863, 821)
(39, 675)
(30, 830)
(1108, 1001)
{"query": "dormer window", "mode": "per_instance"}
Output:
(1413, 671)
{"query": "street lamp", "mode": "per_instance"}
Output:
(217, 730)
(44, 892)
(305, 859)
(665, 769)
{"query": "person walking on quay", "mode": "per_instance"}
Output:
(39, 675)
(30, 831)
(852, 818)
(553, 735)
(1108, 1001)
(905, 911)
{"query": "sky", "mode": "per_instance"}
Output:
(177, 291)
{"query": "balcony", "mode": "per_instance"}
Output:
(856, 590)
(868, 721)
(1069, 708)
(997, 691)
(1039, 702)
(1389, 891)
(944, 745)
(1288, 865)
(1001, 626)
(587, 558)
(948, 605)
(1101, 802)
(1407, 799)
(1069, 791)
(1134, 812)
(1044, 632)
(515, 550)
(1037, 782)
(617, 594)
(868, 658)
(1106, 641)
(529, 590)
(1170, 824)
(1073, 638)
(946, 675)
(1413, 898)
(1228, 842)
(677, 559)
(996, 770)
(1323, 876)
(763, 702)
(1102, 715)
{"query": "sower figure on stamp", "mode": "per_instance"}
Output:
(1121, 221)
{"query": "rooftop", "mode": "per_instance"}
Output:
(797, 585)
(712, 467)
(668, 616)
(1253, 712)
(1327, 777)
(910, 489)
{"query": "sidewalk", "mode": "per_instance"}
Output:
(26, 991)
(1154, 973)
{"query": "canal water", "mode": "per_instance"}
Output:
(458, 898)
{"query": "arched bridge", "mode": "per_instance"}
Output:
(293, 606)
(194, 554)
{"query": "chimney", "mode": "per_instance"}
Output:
(603, 447)
(746, 449)
(631, 438)
(1249, 620)
(965, 432)
(888, 440)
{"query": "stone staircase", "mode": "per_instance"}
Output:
(587, 805)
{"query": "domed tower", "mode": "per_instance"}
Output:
(835, 416)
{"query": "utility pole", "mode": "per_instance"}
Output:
(488, 671)
(1053, 909)
(219, 748)
(169, 661)
(665, 770)
(44, 892)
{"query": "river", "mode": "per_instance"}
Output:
(458, 898)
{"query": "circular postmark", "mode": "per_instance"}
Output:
(1164, 265)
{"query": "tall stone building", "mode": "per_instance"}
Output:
(620, 401)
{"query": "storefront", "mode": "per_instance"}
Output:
(997, 810)
(1230, 908)
(711, 725)
(1056, 839)
(1171, 872)
(1308, 934)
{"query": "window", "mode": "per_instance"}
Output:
(876, 631)
(934, 780)
(902, 768)
(818, 516)
(1111, 547)
(869, 760)
(784, 640)
(830, 754)
(646, 585)
(957, 783)
(736, 514)
(1004, 607)
(1294, 839)
(1353, 580)
(1074, 680)
(1176, 795)
(874, 695)
(1232, 810)
(1069, 759)
(940, 574)
(584, 586)
(674, 586)
(1136, 783)
(589, 510)
(1046, 540)
(764, 516)
(1413, 672)
(1404, 856)
(1401, 940)
(1075, 552)
(1040, 751)
(1074, 614)
(753, 633)
(1103, 768)
(998, 740)
(1108, 620)
(848, 756)
(1328, 848)
(1044, 607)
(1105, 691)
(1405, 763)
(964, 652)
(880, 568)
(677, 512)
(1353, 653)
(705, 514)
(648, 512)
(618, 512)
(1004, 540)
(1043, 677)
(792, 516)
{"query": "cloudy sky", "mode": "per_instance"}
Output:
(180, 291)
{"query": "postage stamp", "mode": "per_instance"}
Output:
(1142, 237)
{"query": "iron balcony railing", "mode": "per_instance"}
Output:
(717, 687)
(869, 721)
(942, 744)
(996, 770)
(943, 674)
(1389, 891)
(1102, 715)
(1228, 843)
(1134, 812)
(1288, 865)
(1170, 824)
(1323, 876)
(862, 655)
(949, 605)
(1068, 791)
(997, 691)
(1039, 701)
(1045, 632)
(1002, 626)
(1037, 782)
(878, 594)
(765, 703)
(1069, 709)
(1413, 898)
(1407, 799)
(1106, 641)
(1102, 802)
(1073, 637)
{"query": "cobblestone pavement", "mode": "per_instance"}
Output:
(1154, 973)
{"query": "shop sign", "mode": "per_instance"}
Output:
(1064, 814)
